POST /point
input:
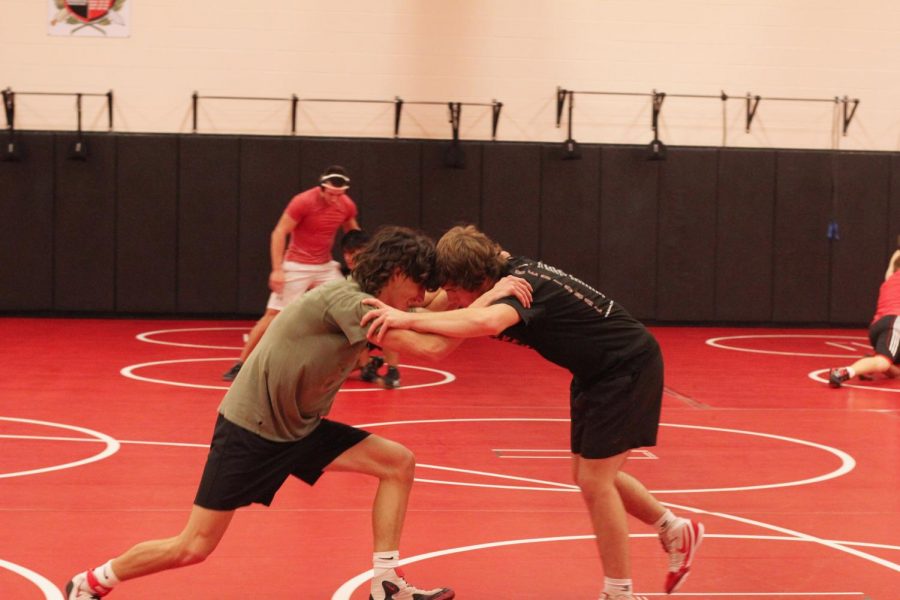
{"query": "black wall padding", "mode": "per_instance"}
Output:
(511, 197)
(84, 246)
(744, 234)
(392, 179)
(629, 188)
(450, 196)
(26, 229)
(318, 154)
(208, 224)
(570, 212)
(269, 178)
(862, 187)
(803, 204)
(163, 224)
(146, 223)
(687, 234)
(893, 242)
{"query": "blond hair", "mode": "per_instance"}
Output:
(467, 257)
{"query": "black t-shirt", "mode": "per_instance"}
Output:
(575, 326)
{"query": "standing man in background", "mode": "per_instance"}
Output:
(311, 219)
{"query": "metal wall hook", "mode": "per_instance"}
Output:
(752, 104)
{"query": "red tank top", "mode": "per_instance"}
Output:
(889, 297)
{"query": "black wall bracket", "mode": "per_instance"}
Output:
(752, 103)
(12, 149)
(398, 103)
(657, 148)
(852, 111)
(196, 97)
(78, 150)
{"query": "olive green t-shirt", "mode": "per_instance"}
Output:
(290, 379)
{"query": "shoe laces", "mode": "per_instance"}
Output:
(671, 542)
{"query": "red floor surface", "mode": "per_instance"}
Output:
(104, 424)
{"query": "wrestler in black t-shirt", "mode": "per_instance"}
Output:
(575, 326)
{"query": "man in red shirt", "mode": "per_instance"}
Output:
(884, 332)
(311, 219)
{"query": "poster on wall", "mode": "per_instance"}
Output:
(90, 18)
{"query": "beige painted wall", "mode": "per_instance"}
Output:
(516, 52)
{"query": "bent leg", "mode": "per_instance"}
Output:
(638, 502)
(394, 466)
(194, 544)
(872, 364)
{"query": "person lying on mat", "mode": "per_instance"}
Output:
(272, 422)
(616, 389)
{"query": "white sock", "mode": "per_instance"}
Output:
(616, 586)
(851, 372)
(385, 561)
(105, 575)
(665, 521)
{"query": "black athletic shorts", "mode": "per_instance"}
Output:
(614, 414)
(884, 335)
(243, 468)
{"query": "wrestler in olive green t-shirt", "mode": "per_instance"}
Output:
(290, 379)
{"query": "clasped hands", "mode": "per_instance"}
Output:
(385, 317)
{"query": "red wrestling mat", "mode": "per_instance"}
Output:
(104, 425)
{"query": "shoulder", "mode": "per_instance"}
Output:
(303, 197)
(303, 201)
(521, 266)
(343, 295)
(341, 288)
(513, 261)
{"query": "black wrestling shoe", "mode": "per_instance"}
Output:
(370, 371)
(391, 379)
(838, 376)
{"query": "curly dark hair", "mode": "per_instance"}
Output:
(394, 249)
(466, 258)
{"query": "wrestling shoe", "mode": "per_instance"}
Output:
(231, 373)
(392, 585)
(625, 596)
(838, 376)
(370, 371)
(391, 379)
(680, 540)
(85, 586)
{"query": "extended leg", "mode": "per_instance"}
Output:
(194, 544)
